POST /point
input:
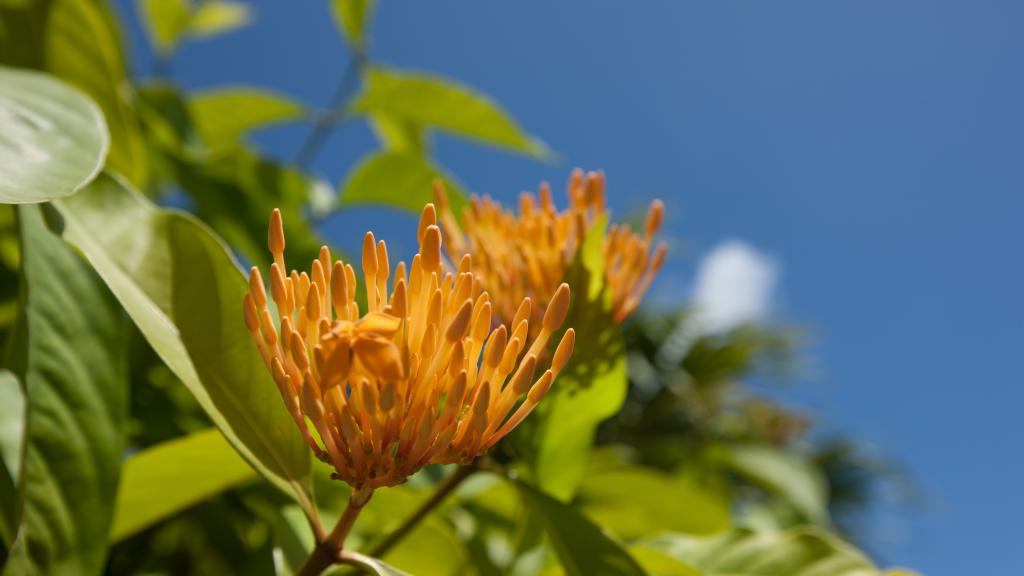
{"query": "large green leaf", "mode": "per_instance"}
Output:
(183, 290)
(582, 548)
(633, 501)
(399, 180)
(76, 381)
(352, 18)
(805, 551)
(438, 102)
(780, 472)
(169, 477)
(53, 139)
(83, 49)
(12, 436)
(556, 440)
(223, 115)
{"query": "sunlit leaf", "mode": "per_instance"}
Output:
(165, 21)
(182, 288)
(434, 101)
(83, 50)
(224, 115)
(582, 548)
(76, 380)
(399, 180)
(657, 563)
(352, 18)
(780, 472)
(632, 501)
(169, 477)
(12, 436)
(556, 440)
(805, 551)
(53, 138)
(214, 17)
(398, 135)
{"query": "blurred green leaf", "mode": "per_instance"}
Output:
(398, 180)
(169, 477)
(222, 116)
(780, 472)
(82, 49)
(53, 139)
(556, 440)
(12, 437)
(582, 548)
(434, 101)
(352, 18)
(235, 194)
(183, 290)
(165, 21)
(215, 17)
(76, 379)
(401, 136)
(657, 563)
(805, 551)
(432, 549)
(633, 501)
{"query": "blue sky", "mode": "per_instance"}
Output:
(871, 148)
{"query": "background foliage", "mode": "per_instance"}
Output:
(141, 434)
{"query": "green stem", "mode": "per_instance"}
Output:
(435, 499)
(328, 551)
(323, 126)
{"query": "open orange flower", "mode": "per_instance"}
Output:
(528, 255)
(402, 385)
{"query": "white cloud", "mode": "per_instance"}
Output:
(734, 286)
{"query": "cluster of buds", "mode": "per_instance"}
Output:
(421, 377)
(527, 255)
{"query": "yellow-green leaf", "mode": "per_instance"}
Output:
(53, 139)
(352, 18)
(222, 116)
(214, 17)
(400, 180)
(165, 21)
(170, 477)
(433, 101)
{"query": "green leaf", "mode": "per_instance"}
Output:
(556, 440)
(165, 21)
(215, 17)
(170, 477)
(53, 139)
(183, 290)
(657, 563)
(76, 380)
(83, 50)
(12, 437)
(352, 18)
(780, 472)
(398, 180)
(805, 551)
(582, 548)
(434, 101)
(633, 501)
(223, 115)
(401, 136)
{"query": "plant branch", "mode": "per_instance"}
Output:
(435, 499)
(326, 123)
(328, 551)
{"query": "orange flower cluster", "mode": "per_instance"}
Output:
(402, 385)
(528, 255)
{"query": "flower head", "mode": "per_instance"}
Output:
(527, 255)
(403, 384)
